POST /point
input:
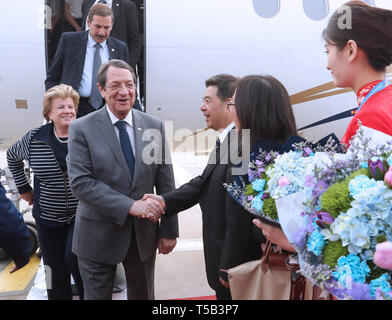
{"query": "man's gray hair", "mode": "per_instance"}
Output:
(100, 9)
(116, 63)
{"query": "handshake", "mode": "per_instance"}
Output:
(151, 207)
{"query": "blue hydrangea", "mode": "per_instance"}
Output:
(364, 164)
(382, 284)
(316, 242)
(360, 184)
(389, 160)
(369, 216)
(258, 185)
(350, 269)
(257, 204)
(294, 167)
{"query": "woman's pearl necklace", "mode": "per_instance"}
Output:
(58, 139)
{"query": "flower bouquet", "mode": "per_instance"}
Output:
(348, 211)
(273, 175)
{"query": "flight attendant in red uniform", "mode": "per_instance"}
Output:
(358, 56)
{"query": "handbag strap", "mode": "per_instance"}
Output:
(267, 251)
(273, 260)
(264, 265)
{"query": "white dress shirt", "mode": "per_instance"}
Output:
(129, 126)
(222, 136)
(85, 83)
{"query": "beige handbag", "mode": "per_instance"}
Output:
(268, 279)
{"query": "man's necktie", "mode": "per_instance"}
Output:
(96, 98)
(217, 150)
(102, 1)
(126, 146)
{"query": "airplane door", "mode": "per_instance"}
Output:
(22, 68)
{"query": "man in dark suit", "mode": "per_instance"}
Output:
(108, 173)
(125, 27)
(227, 233)
(14, 235)
(78, 58)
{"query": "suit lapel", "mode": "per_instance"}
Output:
(224, 156)
(112, 49)
(81, 53)
(106, 129)
(138, 134)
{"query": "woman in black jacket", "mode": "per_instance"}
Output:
(54, 206)
(262, 106)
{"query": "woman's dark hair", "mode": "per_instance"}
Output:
(263, 106)
(371, 29)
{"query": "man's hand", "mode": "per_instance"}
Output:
(149, 209)
(28, 196)
(166, 246)
(156, 198)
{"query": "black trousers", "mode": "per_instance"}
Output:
(59, 261)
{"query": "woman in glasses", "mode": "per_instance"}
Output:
(262, 105)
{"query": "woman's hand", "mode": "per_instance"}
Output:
(222, 281)
(28, 196)
(275, 235)
(14, 268)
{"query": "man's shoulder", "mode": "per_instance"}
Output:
(147, 118)
(85, 121)
(116, 42)
(73, 34)
(127, 3)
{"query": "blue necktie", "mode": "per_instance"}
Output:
(217, 150)
(126, 146)
(96, 98)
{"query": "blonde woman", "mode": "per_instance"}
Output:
(54, 206)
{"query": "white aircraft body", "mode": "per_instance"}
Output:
(187, 41)
(22, 68)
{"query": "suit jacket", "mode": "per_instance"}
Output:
(227, 227)
(68, 63)
(100, 179)
(125, 27)
(14, 235)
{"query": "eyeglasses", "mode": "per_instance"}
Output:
(230, 104)
(118, 86)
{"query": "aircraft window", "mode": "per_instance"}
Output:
(316, 9)
(266, 8)
(369, 2)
